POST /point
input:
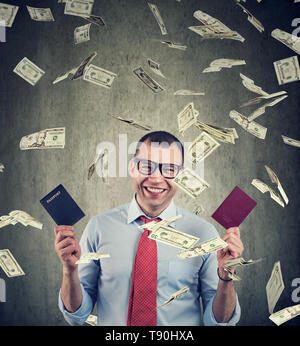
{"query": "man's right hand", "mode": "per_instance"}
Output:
(67, 247)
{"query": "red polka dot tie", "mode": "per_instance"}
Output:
(142, 299)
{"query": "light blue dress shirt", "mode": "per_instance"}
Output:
(108, 281)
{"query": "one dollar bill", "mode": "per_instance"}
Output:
(99, 76)
(170, 236)
(27, 70)
(231, 265)
(44, 139)
(274, 287)
(204, 248)
(187, 117)
(287, 70)
(188, 181)
(8, 14)
(79, 7)
(147, 80)
(251, 127)
(175, 295)
(158, 18)
(40, 14)
(92, 320)
(291, 141)
(91, 256)
(202, 147)
(9, 264)
(285, 314)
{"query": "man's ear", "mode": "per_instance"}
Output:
(131, 168)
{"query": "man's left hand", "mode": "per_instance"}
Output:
(234, 249)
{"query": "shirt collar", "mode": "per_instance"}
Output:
(135, 211)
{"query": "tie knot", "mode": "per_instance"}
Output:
(146, 220)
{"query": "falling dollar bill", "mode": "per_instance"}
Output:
(1, 167)
(92, 320)
(80, 70)
(189, 182)
(287, 70)
(40, 14)
(290, 40)
(82, 33)
(9, 264)
(250, 85)
(92, 166)
(8, 14)
(261, 98)
(222, 134)
(147, 80)
(170, 236)
(133, 123)
(254, 21)
(290, 141)
(16, 216)
(99, 76)
(187, 117)
(174, 45)
(213, 28)
(218, 64)
(154, 66)
(275, 286)
(176, 295)
(261, 110)
(202, 147)
(154, 225)
(6, 220)
(44, 139)
(68, 74)
(185, 92)
(285, 314)
(25, 219)
(263, 187)
(198, 210)
(158, 18)
(91, 256)
(204, 248)
(232, 264)
(27, 70)
(79, 7)
(252, 127)
(97, 20)
(276, 181)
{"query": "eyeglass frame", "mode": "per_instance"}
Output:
(137, 160)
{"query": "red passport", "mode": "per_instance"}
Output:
(235, 208)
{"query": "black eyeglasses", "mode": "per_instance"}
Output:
(148, 167)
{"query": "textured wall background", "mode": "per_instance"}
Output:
(131, 36)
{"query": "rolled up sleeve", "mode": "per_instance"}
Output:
(81, 314)
(209, 317)
(208, 280)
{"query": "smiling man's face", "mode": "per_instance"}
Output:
(154, 192)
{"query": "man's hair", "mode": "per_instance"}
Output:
(160, 137)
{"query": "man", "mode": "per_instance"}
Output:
(141, 273)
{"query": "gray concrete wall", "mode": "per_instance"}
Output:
(131, 36)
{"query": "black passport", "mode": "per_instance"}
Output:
(62, 207)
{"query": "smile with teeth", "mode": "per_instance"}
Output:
(154, 190)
